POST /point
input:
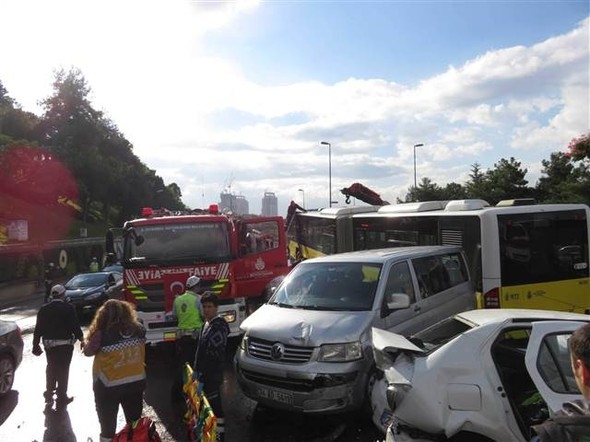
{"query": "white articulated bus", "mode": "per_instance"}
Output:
(322, 232)
(521, 255)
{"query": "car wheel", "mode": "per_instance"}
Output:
(7, 369)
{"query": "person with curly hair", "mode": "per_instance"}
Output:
(116, 339)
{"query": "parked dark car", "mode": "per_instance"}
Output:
(88, 291)
(113, 268)
(11, 354)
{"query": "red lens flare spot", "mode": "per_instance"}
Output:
(38, 188)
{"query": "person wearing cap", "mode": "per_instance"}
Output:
(58, 328)
(50, 277)
(189, 312)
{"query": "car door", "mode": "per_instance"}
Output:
(399, 279)
(548, 362)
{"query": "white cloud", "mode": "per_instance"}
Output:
(147, 67)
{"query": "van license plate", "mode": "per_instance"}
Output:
(274, 395)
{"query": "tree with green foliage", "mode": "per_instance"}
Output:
(564, 181)
(454, 191)
(477, 186)
(506, 181)
(579, 148)
(426, 191)
(112, 183)
(16, 125)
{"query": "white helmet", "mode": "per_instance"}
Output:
(192, 281)
(57, 291)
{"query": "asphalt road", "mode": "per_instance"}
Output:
(23, 416)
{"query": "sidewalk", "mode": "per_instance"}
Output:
(16, 293)
(20, 303)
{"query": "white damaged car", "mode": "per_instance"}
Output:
(481, 375)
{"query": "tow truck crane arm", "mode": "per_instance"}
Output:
(363, 193)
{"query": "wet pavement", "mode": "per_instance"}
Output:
(23, 416)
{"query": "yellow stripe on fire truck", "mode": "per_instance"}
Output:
(219, 285)
(136, 292)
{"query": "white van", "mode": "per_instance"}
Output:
(309, 348)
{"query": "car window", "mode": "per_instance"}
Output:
(432, 275)
(438, 273)
(86, 280)
(554, 364)
(399, 280)
(439, 334)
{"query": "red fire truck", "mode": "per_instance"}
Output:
(235, 257)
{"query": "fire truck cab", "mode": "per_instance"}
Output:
(235, 257)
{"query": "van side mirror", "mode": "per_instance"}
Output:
(396, 301)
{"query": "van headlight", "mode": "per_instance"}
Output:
(244, 343)
(229, 316)
(350, 351)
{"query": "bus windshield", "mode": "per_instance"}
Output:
(189, 242)
(317, 234)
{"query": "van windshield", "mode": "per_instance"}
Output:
(342, 286)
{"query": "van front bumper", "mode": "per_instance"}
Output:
(301, 391)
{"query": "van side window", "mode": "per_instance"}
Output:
(456, 269)
(399, 280)
(438, 273)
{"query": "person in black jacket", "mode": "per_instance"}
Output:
(210, 357)
(57, 325)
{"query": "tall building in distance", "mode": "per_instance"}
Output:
(237, 204)
(269, 204)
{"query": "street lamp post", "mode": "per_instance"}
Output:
(302, 197)
(415, 146)
(325, 143)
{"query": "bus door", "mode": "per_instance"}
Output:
(544, 260)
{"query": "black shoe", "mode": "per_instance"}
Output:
(62, 402)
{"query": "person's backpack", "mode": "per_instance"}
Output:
(142, 430)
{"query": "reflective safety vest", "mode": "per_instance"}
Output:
(187, 308)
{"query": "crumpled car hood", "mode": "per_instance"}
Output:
(309, 328)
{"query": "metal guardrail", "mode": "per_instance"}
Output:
(75, 242)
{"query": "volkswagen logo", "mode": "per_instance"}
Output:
(277, 351)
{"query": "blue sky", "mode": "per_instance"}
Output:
(240, 94)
